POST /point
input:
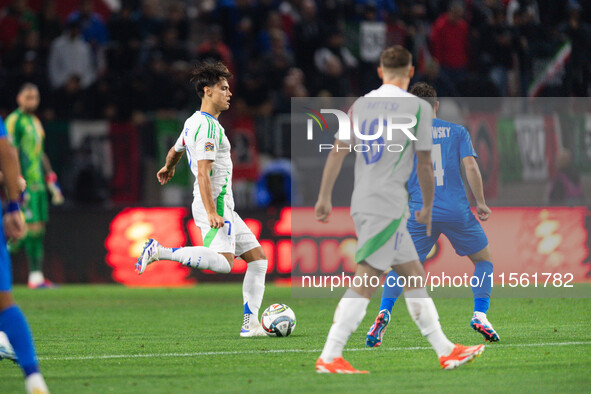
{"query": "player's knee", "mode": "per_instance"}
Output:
(6, 300)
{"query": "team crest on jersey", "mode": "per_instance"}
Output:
(209, 147)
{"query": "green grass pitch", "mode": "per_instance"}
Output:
(98, 339)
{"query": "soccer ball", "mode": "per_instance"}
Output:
(278, 320)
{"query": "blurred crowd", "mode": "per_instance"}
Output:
(135, 57)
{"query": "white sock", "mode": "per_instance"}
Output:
(197, 257)
(423, 312)
(347, 317)
(253, 286)
(34, 383)
(36, 278)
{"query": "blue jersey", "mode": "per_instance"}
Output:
(451, 143)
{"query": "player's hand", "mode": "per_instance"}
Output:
(322, 210)
(215, 220)
(424, 217)
(14, 225)
(483, 211)
(21, 184)
(57, 197)
(165, 174)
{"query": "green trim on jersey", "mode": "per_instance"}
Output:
(418, 115)
(378, 240)
(220, 211)
(197, 132)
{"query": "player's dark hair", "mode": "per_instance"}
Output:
(395, 57)
(424, 91)
(27, 86)
(208, 74)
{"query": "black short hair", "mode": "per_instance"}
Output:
(208, 74)
(424, 91)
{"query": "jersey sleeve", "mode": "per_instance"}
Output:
(424, 126)
(3, 132)
(466, 148)
(206, 140)
(180, 145)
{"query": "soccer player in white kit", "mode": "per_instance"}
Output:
(379, 209)
(225, 234)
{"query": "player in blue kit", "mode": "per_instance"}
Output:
(13, 324)
(452, 217)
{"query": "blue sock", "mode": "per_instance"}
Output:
(14, 324)
(482, 292)
(247, 309)
(391, 291)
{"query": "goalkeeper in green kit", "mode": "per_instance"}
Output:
(26, 134)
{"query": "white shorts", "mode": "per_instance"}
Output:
(383, 243)
(235, 237)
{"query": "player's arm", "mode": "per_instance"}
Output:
(204, 169)
(167, 172)
(475, 181)
(332, 168)
(424, 164)
(57, 196)
(427, 184)
(14, 225)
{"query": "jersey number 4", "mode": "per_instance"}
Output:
(437, 164)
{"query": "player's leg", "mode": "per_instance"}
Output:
(348, 315)
(469, 239)
(483, 270)
(36, 211)
(14, 324)
(423, 312)
(216, 254)
(392, 289)
(253, 286)
(199, 257)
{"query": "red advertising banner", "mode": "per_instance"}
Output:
(522, 240)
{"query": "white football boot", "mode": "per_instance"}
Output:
(148, 256)
(6, 350)
(251, 327)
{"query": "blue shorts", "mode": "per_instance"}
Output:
(466, 238)
(5, 264)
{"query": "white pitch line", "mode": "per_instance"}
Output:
(238, 352)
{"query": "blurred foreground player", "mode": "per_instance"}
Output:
(12, 320)
(225, 234)
(27, 135)
(452, 217)
(379, 207)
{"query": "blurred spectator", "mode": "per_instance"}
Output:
(91, 24)
(149, 21)
(278, 60)
(50, 26)
(524, 43)
(125, 40)
(292, 86)
(449, 42)
(15, 22)
(565, 186)
(171, 47)
(71, 56)
(578, 68)
(70, 102)
(372, 40)
(528, 6)
(213, 48)
(441, 82)
(335, 62)
(176, 19)
(497, 51)
(159, 86)
(308, 34)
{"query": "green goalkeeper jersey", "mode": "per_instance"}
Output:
(27, 134)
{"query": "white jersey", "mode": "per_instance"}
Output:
(381, 174)
(204, 138)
